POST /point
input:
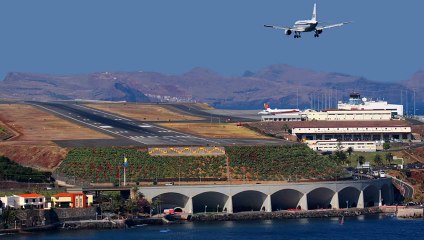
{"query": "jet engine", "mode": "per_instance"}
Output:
(288, 32)
(319, 31)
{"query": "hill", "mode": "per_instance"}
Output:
(276, 84)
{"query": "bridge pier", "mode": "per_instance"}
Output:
(335, 201)
(267, 206)
(303, 202)
(189, 205)
(361, 200)
(229, 204)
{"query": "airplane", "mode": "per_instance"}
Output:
(269, 111)
(307, 26)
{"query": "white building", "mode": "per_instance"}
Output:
(357, 103)
(334, 145)
(284, 117)
(350, 115)
(31, 200)
(351, 130)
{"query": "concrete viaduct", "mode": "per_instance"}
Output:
(272, 197)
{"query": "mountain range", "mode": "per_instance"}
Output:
(279, 85)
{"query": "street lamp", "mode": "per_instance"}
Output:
(217, 208)
(347, 203)
(205, 208)
(29, 179)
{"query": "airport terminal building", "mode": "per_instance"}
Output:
(352, 130)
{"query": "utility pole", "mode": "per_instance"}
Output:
(297, 98)
(414, 103)
(406, 102)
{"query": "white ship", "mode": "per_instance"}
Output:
(357, 103)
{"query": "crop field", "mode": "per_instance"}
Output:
(256, 163)
(143, 112)
(106, 165)
(215, 130)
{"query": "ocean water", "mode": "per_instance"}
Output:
(362, 227)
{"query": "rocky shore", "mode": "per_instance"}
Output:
(284, 214)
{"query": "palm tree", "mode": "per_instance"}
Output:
(378, 160)
(361, 160)
(349, 150)
(389, 158)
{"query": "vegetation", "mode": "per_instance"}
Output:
(386, 146)
(245, 162)
(10, 170)
(106, 165)
(378, 160)
(279, 163)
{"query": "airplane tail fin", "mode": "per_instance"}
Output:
(314, 12)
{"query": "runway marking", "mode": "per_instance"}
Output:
(77, 120)
(106, 126)
(105, 113)
(145, 126)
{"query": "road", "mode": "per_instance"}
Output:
(130, 131)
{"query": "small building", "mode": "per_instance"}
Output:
(27, 201)
(350, 115)
(72, 200)
(334, 145)
(284, 117)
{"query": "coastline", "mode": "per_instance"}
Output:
(201, 217)
(285, 214)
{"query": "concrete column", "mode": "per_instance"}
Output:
(188, 208)
(390, 136)
(379, 198)
(361, 200)
(409, 136)
(229, 204)
(381, 137)
(362, 137)
(314, 137)
(303, 202)
(335, 201)
(267, 204)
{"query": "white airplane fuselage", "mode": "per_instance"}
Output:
(306, 25)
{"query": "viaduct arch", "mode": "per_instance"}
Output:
(273, 197)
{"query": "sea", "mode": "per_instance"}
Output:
(361, 227)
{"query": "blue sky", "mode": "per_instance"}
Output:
(385, 42)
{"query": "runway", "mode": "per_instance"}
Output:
(130, 132)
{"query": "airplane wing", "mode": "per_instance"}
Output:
(286, 28)
(332, 25)
(278, 27)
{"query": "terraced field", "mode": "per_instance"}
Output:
(256, 163)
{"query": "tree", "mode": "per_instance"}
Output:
(349, 150)
(386, 145)
(361, 160)
(378, 160)
(389, 158)
(341, 156)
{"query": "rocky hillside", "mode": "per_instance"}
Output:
(277, 84)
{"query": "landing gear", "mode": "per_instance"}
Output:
(316, 35)
(297, 35)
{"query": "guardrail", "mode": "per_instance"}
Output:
(406, 190)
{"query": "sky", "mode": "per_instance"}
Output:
(384, 42)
